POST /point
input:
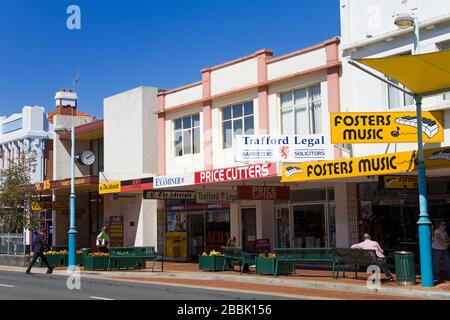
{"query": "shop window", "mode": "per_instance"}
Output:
(445, 46)
(301, 111)
(237, 119)
(187, 135)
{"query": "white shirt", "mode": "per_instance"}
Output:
(444, 236)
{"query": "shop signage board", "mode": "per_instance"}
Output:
(179, 180)
(384, 127)
(393, 163)
(263, 193)
(169, 195)
(256, 171)
(216, 196)
(136, 185)
(47, 206)
(285, 148)
(116, 231)
(176, 244)
(399, 182)
(109, 187)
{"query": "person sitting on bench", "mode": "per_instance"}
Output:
(368, 244)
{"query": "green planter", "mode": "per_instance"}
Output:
(211, 263)
(96, 263)
(267, 266)
(56, 260)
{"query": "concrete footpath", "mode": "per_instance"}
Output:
(312, 283)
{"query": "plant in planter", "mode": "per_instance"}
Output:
(212, 261)
(265, 264)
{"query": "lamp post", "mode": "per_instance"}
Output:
(404, 21)
(72, 200)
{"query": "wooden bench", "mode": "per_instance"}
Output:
(133, 257)
(233, 255)
(357, 257)
(306, 255)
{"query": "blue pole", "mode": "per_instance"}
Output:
(424, 222)
(72, 231)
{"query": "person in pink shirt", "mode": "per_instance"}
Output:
(368, 244)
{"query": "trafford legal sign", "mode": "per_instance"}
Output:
(285, 148)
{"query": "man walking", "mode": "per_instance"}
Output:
(368, 244)
(39, 247)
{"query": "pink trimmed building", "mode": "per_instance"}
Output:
(257, 94)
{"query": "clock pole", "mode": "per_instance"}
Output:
(72, 200)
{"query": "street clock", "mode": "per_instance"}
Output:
(86, 157)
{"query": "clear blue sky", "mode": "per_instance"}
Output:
(125, 44)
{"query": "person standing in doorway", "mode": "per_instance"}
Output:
(39, 247)
(440, 247)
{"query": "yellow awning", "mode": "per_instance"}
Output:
(423, 74)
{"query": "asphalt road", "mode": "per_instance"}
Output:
(18, 286)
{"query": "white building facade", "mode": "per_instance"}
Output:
(368, 31)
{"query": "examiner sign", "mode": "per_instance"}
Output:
(309, 147)
(384, 127)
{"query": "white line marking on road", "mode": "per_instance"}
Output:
(100, 298)
(6, 285)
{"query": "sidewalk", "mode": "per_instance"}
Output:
(308, 283)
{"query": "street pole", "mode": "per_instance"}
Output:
(424, 222)
(72, 231)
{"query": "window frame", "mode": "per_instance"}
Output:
(309, 106)
(182, 130)
(232, 119)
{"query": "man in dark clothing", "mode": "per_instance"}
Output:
(39, 247)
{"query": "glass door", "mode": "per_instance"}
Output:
(196, 235)
(248, 229)
(282, 226)
(309, 225)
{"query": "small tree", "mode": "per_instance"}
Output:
(16, 195)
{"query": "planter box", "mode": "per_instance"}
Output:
(211, 263)
(96, 263)
(267, 266)
(56, 260)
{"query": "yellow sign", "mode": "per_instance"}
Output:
(176, 244)
(47, 206)
(109, 187)
(400, 182)
(384, 127)
(400, 162)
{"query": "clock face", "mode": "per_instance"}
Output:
(87, 157)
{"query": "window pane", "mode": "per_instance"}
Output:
(227, 134)
(187, 122)
(301, 120)
(187, 145)
(314, 94)
(409, 100)
(287, 121)
(226, 113)
(196, 140)
(248, 108)
(196, 120)
(178, 144)
(394, 97)
(286, 99)
(237, 126)
(300, 97)
(178, 124)
(249, 126)
(237, 111)
(317, 117)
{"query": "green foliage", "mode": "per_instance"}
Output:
(16, 195)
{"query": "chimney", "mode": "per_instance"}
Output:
(66, 102)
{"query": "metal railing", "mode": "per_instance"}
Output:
(12, 244)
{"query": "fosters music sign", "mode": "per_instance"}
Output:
(284, 148)
(400, 162)
(384, 127)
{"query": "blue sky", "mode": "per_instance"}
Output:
(125, 44)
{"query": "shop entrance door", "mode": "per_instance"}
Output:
(309, 226)
(248, 229)
(283, 226)
(196, 235)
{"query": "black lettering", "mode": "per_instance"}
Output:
(364, 165)
(337, 121)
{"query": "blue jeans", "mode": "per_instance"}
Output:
(438, 255)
